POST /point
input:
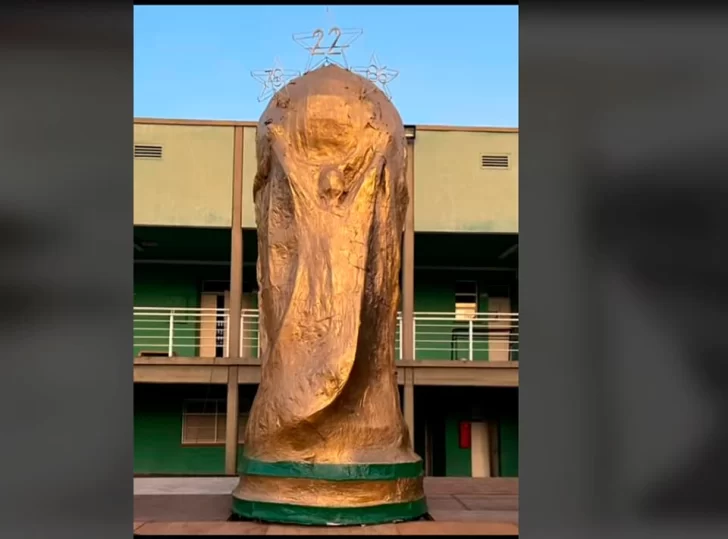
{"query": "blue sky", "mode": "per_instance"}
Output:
(458, 65)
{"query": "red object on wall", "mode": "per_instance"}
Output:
(465, 437)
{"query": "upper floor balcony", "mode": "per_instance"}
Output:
(203, 333)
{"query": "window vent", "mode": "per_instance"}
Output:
(147, 151)
(494, 161)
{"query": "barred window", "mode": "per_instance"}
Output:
(204, 422)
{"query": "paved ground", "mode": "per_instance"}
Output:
(201, 506)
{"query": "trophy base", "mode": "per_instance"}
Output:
(329, 516)
(329, 494)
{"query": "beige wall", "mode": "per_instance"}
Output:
(249, 169)
(453, 193)
(192, 184)
(479, 449)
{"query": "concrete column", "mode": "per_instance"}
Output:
(408, 261)
(236, 297)
(409, 403)
(408, 292)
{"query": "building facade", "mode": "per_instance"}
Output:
(196, 346)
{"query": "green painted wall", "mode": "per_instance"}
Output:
(435, 339)
(453, 193)
(182, 243)
(180, 286)
(170, 286)
(435, 293)
(158, 430)
(508, 431)
(457, 460)
(191, 185)
(497, 406)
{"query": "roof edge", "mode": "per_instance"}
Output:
(237, 123)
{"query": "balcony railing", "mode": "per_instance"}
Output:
(250, 341)
(194, 332)
(183, 332)
(482, 337)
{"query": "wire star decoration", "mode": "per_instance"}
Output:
(378, 74)
(273, 79)
(332, 53)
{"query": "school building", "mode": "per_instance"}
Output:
(196, 350)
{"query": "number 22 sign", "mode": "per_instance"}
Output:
(327, 44)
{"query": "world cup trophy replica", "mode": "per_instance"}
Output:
(326, 442)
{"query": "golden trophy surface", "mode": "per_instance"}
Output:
(326, 443)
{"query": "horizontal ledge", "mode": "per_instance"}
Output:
(248, 123)
(197, 361)
(455, 364)
(254, 362)
(205, 123)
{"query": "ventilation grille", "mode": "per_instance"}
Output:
(494, 161)
(147, 151)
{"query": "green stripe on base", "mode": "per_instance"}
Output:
(307, 515)
(331, 472)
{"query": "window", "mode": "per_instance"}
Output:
(203, 422)
(466, 300)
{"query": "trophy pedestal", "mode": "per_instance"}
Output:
(330, 494)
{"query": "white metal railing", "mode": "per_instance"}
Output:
(195, 332)
(184, 332)
(398, 337)
(250, 335)
(483, 336)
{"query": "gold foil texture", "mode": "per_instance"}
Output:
(322, 493)
(330, 202)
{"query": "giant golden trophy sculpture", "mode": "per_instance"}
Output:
(326, 443)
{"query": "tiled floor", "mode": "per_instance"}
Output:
(201, 506)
